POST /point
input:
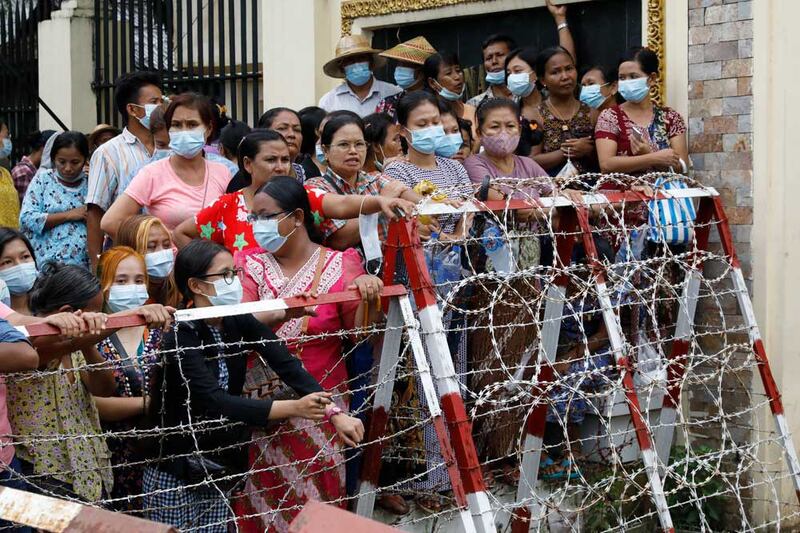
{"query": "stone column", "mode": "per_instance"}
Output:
(65, 66)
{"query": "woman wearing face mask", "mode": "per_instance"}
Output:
(445, 78)
(53, 412)
(522, 82)
(420, 116)
(132, 352)
(640, 136)
(204, 381)
(148, 236)
(567, 124)
(264, 154)
(17, 267)
(452, 141)
(53, 213)
(383, 142)
(179, 186)
(419, 113)
(290, 262)
(599, 87)
(160, 131)
(346, 152)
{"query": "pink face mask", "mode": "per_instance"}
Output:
(501, 144)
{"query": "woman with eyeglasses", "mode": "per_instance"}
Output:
(263, 155)
(201, 383)
(291, 262)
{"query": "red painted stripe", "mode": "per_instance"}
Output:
(41, 329)
(724, 230)
(459, 491)
(639, 424)
(770, 387)
(565, 242)
(418, 276)
(521, 520)
(676, 367)
(464, 447)
(376, 429)
(535, 423)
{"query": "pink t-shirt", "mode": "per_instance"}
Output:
(5, 311)
(167, 197)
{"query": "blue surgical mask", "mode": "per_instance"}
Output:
(187, 143)
(125, 297)
(449, 145)
(319, 153)
(592, 96)
(520, 84)
(20, 278)
(159, 264)
(634, 90)
(427, 139)
(161, 153)
(405, 77)
(5, 149)
(358, 73)
(449, 95)
(227, 294)
(5, 295)
(268, 236)
(148, 110)
(496, 78)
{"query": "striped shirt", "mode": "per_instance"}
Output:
(113, 166)
(22, 175)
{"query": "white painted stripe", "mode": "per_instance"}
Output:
(663, 435)
(444, 372)
(429, 207)
(365, 505)
(219, 311)
(789, 450)
(35, 510)
(529, 470)
(482, 514)
(421, 362)
(465, 518)
(688, 305)
(745, 305)
(650, 463)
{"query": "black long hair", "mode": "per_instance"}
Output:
(290, 195)
(310, 119)
(249, 147)
(194, 260)
(338, 120)
(59, 285)
(70, 139)
(10, 234)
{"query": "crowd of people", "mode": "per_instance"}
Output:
(186, 208)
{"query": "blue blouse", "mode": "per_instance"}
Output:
(65, 243)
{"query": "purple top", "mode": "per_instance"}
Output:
(479, 166)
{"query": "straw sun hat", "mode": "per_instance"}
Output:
(415, 51)
(348, 46)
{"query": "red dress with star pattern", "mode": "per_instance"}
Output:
(225, 221)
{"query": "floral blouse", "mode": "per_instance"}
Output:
(556, 131)
(225, 221)
(65, 243)
(615, 124)
(59, 429)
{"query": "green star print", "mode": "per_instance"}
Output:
(206, 230)
(318, 218)
(240, 241)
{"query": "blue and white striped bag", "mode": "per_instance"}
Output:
(671, 221)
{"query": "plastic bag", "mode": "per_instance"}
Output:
(567, 171)
(444, 265)
(498, 250)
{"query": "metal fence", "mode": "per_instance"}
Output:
(207, 46)
(19, 71)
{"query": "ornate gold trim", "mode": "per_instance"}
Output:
(656, 20)
(656, 37)
(353, 9)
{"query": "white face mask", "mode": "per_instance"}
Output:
(159, 264)
(126, 297)
(227, 293)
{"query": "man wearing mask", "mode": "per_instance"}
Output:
(494, 50)
(410, 57)
(361, 92)
(115, 163)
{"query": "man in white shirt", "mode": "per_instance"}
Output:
(360, 92)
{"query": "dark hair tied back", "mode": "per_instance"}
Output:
(60, 285)
(290, 195)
